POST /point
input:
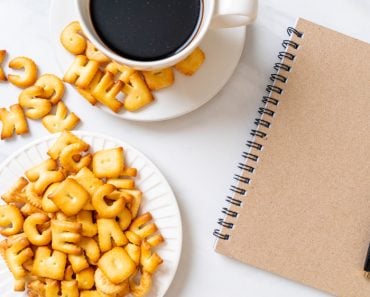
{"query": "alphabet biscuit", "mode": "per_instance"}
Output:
(72, 38)
(13, 120)
(61, 121)
(30, 72)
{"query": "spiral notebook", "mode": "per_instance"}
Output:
(300, 205)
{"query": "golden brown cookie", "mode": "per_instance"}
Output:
(35, 103)
(94, 54)
(2, 57)
(72, 38)
(11, 220)
(137, 93)
(44, 174)
(117, 265)
(61, 120)
(192, 63)
(65, 236)
(53, 87)
(13, 120)
(81, 72)
(30, 72)
(159, 79)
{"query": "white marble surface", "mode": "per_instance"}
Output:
(198, 152)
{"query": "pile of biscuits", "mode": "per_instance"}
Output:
(72, 226)
(35, 101)
(117, 86)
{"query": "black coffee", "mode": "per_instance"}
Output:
(146, 30)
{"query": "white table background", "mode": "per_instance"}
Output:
(198, 152)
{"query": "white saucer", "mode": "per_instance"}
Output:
(158, 198)
(223, 49)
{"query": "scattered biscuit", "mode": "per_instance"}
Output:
(192, 63)
(13, 120)
(33, 100)
(2, 57)
(62, 120)
(53, 87)
(30, 72)
(72, 38)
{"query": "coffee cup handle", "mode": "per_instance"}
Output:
(234, 13)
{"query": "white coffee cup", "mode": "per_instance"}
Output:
(216, 14)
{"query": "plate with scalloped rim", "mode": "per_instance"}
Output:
(158, 198)
(223, 49)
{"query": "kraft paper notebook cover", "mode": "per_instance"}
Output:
(301, 205)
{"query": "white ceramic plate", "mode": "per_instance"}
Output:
(223, 49)
(158, 198)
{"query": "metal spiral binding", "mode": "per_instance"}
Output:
(265, 112)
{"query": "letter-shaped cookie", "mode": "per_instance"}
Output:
(89, 228)
(11, 220)
(134, 252)
(67, 288)
(78, 262)
(65, 139)
(53, 87)
(108, 163)
(142, 227)
(16, 194)
(44, 174)
(192, 63)
(81, 72)
(108, 232)
(71, 160)
(13, 120)
(149, 261)
(69, 196)
(136, 200)
(32, 197)
(16, 255)
(104, 209)
(65, 236)
(137, 93)
(141, 289)
(30, 229)
(2, 57)
(49, 264)
(84, 278)
(124, 219)
(30, 72)
(107, 90)
(33, 100)
(91, 249)
(117, 265)
(72, 38)
(104, 285)
(122, 183)
(122, 72)
(159, 79)
(61, 120)
(46, 203)
(87, 92)
(92, 53)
